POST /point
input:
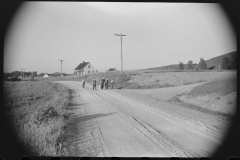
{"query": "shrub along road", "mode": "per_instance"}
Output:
(108, 123)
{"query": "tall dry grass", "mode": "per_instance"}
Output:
(38, 113)
(148, 79)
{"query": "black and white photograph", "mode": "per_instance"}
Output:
(119, 79)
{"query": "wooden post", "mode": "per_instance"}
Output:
(121, 53)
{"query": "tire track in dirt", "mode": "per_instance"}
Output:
(138, 126)
(163, 145)
(86, 140)
(197, 129)
(152, 133)
(162, 131)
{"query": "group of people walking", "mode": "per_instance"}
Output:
(103, 82)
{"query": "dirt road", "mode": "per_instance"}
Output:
(112, 123)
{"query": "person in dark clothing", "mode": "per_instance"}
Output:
(94, 84)
(103, 81)
(106, 83)
(83, 83)
(101, 84)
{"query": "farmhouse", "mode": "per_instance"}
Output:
(112, 69)
(85, 68)
(45, 75)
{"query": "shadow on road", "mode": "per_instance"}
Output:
(81, 119)
(84, 140)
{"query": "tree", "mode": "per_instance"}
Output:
(41, 74)
(6, 75)
(27, 74)
(202, 64)
(233, 61)
(15, 74)
(225, 64)
(190, 64)
(34, 73)
(181, 65)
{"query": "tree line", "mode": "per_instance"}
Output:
(23, 74)
(19, 73)
(226, 63)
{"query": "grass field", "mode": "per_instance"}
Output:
(160, 80)
(38, 113)
(218, 96)
(222, 87)
(148, 79)
(38, 109)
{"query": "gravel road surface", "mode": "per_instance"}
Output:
(113, 123)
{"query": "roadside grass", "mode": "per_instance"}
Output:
(178, 78)
(148, 79)
(176, 99)
(38, 114)
(135, 85)
(222, 87)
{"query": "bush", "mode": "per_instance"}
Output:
(45, 115)
(233, 62)
(181, 65)
(14, 79)
(225, 64)
(38, 113)
(190, 64)
(202, 64)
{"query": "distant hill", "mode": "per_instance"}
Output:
(216, 61)
(171, 67)
(212, 63)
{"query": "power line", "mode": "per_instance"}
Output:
(140, 18)
(157, 22)
(124, 29)
(167, 23)
(95, 46)
(127, 26)
(161, 20)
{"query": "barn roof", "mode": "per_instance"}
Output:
(112, 69)
(46, 75)
(81, 66)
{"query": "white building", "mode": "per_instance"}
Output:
(45, 75)
(85, 68)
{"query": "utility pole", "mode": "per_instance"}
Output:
(121, 52)
(61, 67)
(22, 72)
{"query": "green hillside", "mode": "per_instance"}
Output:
(212, 63)
(216, 61)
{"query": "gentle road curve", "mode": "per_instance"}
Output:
(113, 123)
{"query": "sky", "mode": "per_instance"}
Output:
(157, 34)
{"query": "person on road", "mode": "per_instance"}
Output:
(100, 84)
(103, 81)
(94, 84)
(112, 83)
(106, 83)
(83, 83)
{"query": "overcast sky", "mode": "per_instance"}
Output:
(157, 34)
